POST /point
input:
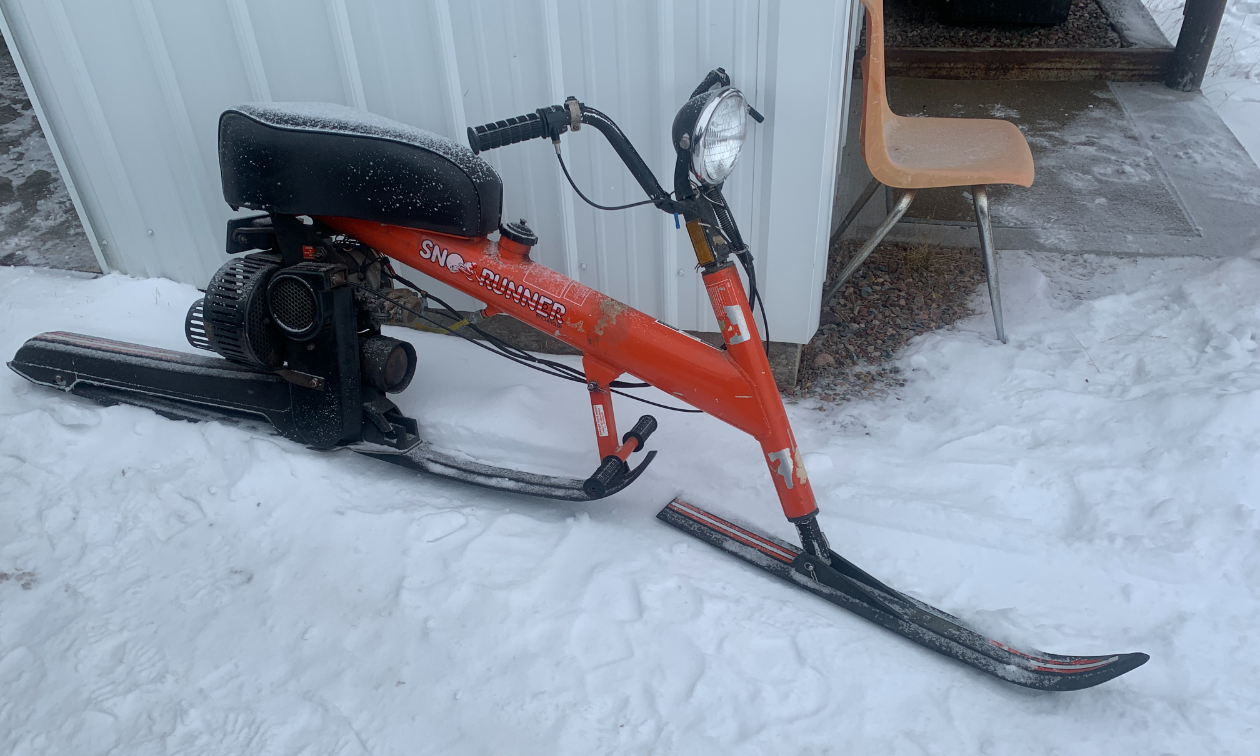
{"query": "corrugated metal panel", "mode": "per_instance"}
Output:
(130, 92)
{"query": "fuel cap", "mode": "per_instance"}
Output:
(519, 232)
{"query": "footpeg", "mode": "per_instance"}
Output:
(614, 473)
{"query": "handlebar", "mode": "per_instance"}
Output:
(503, 133)
(554, 120)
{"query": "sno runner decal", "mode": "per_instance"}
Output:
(542, 305)
(452, 261)
(601, 422)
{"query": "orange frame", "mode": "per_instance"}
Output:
(734, 385)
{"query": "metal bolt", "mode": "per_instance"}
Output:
(150, 232)
(582, 266)
(681, 273)
(809, 566)
(310, 347)
(685, 142)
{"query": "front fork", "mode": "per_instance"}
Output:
(744, 348)
(778, 445)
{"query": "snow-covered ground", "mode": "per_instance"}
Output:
(1233, 75)
(1091, 487)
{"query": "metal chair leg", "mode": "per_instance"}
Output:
(980, 197)
(898, 210)
(867, 193)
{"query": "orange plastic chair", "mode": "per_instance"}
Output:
(922, 153)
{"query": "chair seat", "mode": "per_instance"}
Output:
(925, 153)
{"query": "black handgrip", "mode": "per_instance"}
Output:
(640, 432)
(610, 470)
(503, 133)
(551, 121)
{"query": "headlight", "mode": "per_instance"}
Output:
(718, 136)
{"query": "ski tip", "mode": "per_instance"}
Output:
(1123, 664)
(1130, 662)
(1068, 680)
(1063, 673)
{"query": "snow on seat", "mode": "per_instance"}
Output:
(324, 159)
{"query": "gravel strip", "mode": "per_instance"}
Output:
(901, 291)
(921, 23)
(38, 222)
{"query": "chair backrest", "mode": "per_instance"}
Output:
(875, 110)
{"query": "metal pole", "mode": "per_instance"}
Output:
(867, 193)
(980, 198)
(1202, 19)
(899, 210)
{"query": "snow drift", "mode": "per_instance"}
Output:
(198, 588)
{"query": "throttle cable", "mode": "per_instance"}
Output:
(503, 349)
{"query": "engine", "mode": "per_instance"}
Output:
(303, 302)
(255, 305)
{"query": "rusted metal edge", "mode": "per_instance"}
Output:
(1109, 64)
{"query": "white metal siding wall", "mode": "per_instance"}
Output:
(130, 92)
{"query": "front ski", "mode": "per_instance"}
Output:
(849, 587)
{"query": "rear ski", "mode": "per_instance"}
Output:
(425, 458)
(197, 388)
(849, 587)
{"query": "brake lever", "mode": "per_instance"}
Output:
(716, 76)
(719, 76)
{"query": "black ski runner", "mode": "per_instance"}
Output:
(847, 586)
(425, 458)
(198, 388)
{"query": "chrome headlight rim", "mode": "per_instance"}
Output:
(701, 132)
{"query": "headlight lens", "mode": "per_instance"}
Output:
(719, 136)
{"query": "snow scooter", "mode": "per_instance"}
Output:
(295, 317)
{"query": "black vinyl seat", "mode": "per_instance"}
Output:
(323, 159)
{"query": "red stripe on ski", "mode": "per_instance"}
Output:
(684, 507)
(697, 515)
(1062, 671)
(109, 345)
(1050, 665)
